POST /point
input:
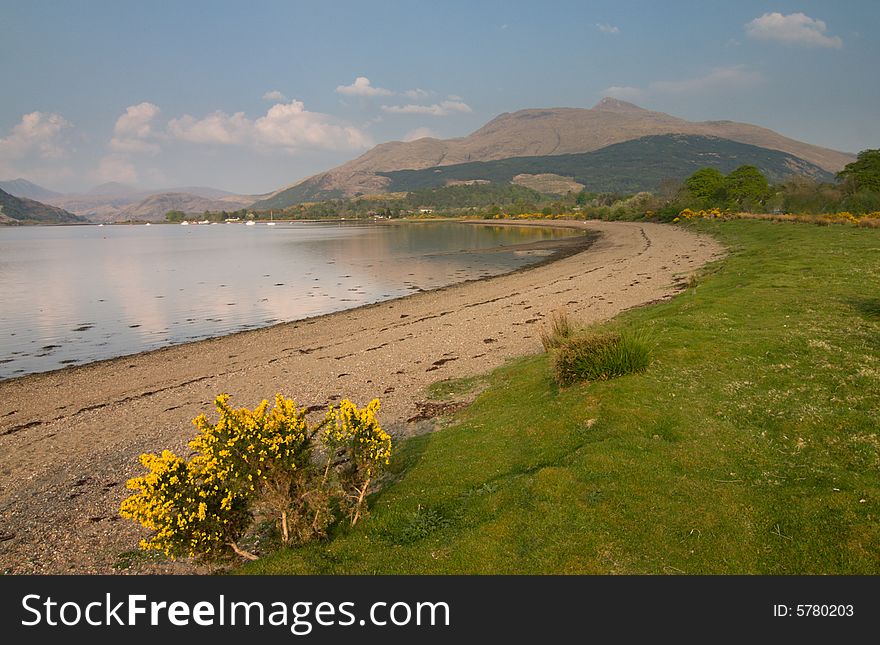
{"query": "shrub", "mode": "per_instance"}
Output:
(561, 329)
(354, 437)
(188, 517)
(600, 356)
(254, 462)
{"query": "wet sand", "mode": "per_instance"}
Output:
(70, 439)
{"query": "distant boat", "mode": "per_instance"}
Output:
(270, 223)
(184, 223)
(100, 225)
(250, 222)
(147, 224)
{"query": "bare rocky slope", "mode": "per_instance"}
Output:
(535, 132)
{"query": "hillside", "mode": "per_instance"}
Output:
(119, 202)
(154, 207)
(631, 166)
(17, 210)
(28, 190)
(536, 132)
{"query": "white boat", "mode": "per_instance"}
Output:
(184, 223)
(250, 222)
(270, 223)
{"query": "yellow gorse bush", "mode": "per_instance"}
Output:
(357, 437)
(359, 431)
(712, 213)
(257, 460)
(247, 444)
(842, 217)
(188, 518)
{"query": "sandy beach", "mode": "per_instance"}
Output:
(70, 439)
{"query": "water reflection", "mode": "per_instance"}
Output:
(78, 294)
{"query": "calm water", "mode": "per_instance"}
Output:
(71, 295)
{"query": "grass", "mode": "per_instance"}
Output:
(749, 446)
(449, 389)
(560, 330)
(600, 356)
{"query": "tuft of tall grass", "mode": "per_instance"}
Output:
(561, 329)
(600, 356)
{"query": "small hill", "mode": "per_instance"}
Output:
(155, 207)
(27, 189)
(631, 166)
(18, 210)
(535, 132)
(125, 203)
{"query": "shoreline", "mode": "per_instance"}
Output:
(70, 438)
(559, 248)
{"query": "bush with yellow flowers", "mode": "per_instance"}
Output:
(254, 464)
(711, 213)
(355, 437)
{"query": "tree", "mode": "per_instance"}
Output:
(175, 216)
(864, 173)
(746, 187)
(705, 184)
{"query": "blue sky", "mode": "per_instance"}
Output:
(250, 96)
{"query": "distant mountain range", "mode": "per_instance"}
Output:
(545, 133)
(17, 210)
(28, 190)
(119, 202)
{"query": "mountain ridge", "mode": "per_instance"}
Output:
(23, 188)
(535, 132)
(19, 210)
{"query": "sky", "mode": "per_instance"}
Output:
(252, 96)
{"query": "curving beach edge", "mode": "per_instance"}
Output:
(70, 439)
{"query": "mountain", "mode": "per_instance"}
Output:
(632, 166)
(121, 202)
(29, 190)
(112, 188)
(535, 132)
(155, 207)
(18, 210)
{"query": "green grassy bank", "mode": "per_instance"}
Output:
(750, 445)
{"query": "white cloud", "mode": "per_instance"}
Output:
(274, 95)
(607, 29)
(420, 133)
(115, 167)
(362, 87)
(793, 29)
(134, 131)
(215, 128)
(417, 94)
(290, 125)
(444, 108)
(286, 125)
(718, 80)
(37, 134)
